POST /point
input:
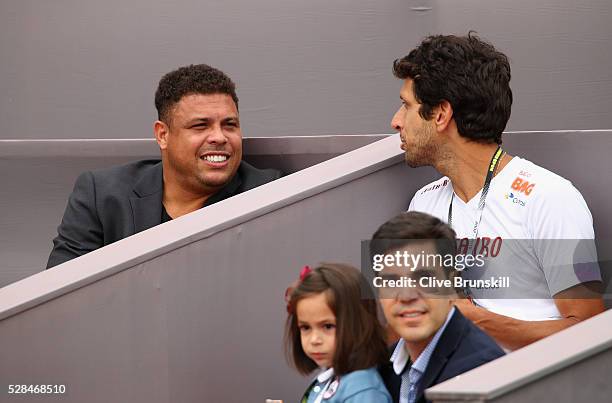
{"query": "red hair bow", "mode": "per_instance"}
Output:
(306, 270)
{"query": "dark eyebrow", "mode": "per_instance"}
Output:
(389, 276)
(326, 320)
(197, 120)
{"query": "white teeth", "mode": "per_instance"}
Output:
(215, 158)
(411, 315)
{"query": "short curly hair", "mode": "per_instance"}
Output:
(467, 72)
(192, 79)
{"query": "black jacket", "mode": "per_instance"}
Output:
(113, 203)
(462, 347)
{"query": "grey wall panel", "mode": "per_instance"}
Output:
(569, 366)
(588, 380)
(558, 50)
(88, 69)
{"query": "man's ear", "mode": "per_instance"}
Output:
(161, 132)
(443, 115)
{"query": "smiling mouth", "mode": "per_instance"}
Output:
(215, 158)
(410, 314)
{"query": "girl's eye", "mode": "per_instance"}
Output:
(303, 328)
(329, 326)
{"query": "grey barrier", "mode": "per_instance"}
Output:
(38, 176)
(567, 367)
(182, 311)
(188, 310)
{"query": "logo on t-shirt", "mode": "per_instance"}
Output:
(522, 186)
(482, 246)
(512, 197)
(435, 187)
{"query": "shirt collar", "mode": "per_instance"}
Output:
(325, 375)
(400, 355)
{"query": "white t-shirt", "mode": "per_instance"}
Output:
(550, 229)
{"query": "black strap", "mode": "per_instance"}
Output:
(483, 197)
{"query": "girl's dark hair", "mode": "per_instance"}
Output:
(360, 341)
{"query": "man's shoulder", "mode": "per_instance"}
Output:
(127, 176)
(429, 197)
(130, 171)
(434, 188)
(545, 194)
(530, 178)
(252, 177)
(474, 346)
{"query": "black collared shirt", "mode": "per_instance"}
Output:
(235, 186)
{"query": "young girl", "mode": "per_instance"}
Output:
(333, 325)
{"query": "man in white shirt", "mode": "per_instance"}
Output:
(456, 101)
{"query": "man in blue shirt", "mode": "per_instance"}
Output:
(417, 294)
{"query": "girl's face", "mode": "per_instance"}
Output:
(317, 324)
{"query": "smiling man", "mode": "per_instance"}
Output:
(198, 132)
(436, 341)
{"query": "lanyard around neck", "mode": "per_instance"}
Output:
(483, 196)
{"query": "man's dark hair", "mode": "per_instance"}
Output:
(467, 72)
(411, 227)
(192, 79)
(360, 339)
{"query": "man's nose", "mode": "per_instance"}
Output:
(396, 121)
(408, 294)
(216, 136)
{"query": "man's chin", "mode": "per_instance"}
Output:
(413, 162)
(415, 335)
(215, 181)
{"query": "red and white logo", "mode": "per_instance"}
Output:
(525, 174)
(522, 186)
(483, 246)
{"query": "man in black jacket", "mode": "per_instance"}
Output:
(416, 289)
(198, 132)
